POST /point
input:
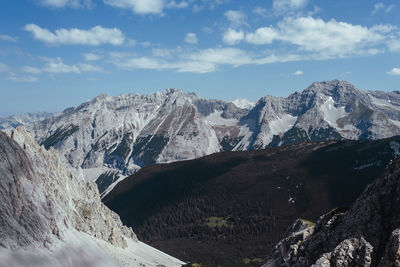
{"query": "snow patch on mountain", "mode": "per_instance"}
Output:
(383, 103)
(216, 118)
(396, 123)
(277, 126)
(282, 124)
(243, 103)
(332, 113)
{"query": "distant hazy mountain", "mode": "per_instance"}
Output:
(233, 207)
(112, 137)
(14, 121)
(50, 217)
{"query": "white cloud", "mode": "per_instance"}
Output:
(92, 56)
(191, 38)
(144, 63)
(389, 8)
(66, 3)
(207, 30)
(131, 43)
(7, 38)
(260, 11)
(200, 5)
(283, 6)
(145, 44)
(159, 52)
(30, 69)
(262, 36)
(298, 72)
(23, 79)
(196, 67)
(300, 38)
(394, 45)
(377, 7)
(95, 36)
(381, 6)
(374, 51)
(3, 67)
(225, 56)
(89, 68)
(232, 36)
(203, 61)
(58, 66)
(142, 7)
(180, 5)
(326, 38)
(394, 71)
(161, 65)
(235, 17)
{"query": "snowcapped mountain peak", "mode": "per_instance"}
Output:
(334, 87)
(101, 97)
(173, 90)
(243, 103)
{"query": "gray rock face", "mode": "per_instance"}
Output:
(48, 215)
(116, 136)
(365, 235)
(40, 199)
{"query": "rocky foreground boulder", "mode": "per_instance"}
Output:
(366, 234)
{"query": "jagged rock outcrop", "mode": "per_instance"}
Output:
(45, 211)
(367, 234)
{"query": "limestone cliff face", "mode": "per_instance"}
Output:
(367, 234)
(43, 207)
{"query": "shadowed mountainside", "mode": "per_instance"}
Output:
(231, 207)
(367, 234)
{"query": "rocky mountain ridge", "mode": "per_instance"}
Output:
(50, 217)
(110, 138)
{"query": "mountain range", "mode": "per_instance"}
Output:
(230, 177)
(109, 138)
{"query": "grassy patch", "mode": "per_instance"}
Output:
(309, 223)
(248, 261)
(214, 222)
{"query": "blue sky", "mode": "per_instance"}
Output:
(59, 53)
